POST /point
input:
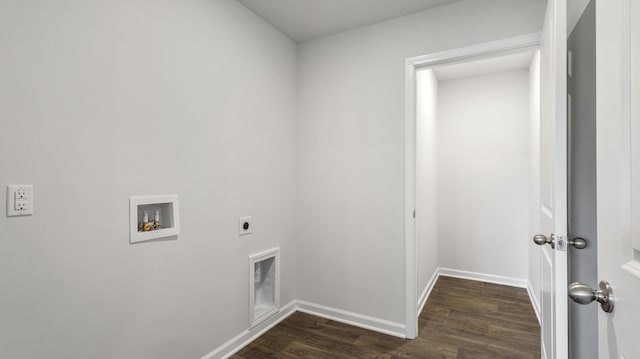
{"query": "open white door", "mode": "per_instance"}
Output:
(553, 177)
(618, 168)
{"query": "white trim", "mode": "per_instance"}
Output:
(555, 52)
(495, 279)
(632, 267)
(534, 302)
(383, 326)
(427, 291)
(627, 135)
(243, 339)
(482, 277)
(478, 51)
(355, 319)
(410, 247)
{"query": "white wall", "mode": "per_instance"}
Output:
(426, 177)
(483, 174)
(101, 100)
(351, 148)
(575, 9)
(535, 260)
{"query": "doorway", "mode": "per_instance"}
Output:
(468, 167)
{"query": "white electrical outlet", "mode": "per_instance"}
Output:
(244, 226)
(19, 200)
(20, 194)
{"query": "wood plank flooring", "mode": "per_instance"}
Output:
(462, 320)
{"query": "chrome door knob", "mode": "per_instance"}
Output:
(541, 240)
(578, 243)
(583, 294)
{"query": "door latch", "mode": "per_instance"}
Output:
(561, 242)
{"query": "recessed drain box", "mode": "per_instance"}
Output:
(264, 286)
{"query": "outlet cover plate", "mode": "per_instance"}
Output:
(19, 200)
(242, 231)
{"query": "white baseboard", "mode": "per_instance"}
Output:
(235, 344)
(534, 302)
(489, 278)
(355, 319)
(481, 277)
(427, 291)
(243, 339)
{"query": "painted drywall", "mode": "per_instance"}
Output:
(305, 20)
(102, 100)
(575, 8)
(483, 174)
(426, 177)
(535, 252)
(351, 148)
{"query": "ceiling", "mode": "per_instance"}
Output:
(304, 20)
(516, 61)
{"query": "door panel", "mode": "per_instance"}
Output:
(634, 52)
(583, 320)
(618, 168)
(553, 178)
(547, 304)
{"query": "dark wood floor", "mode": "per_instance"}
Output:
(462, 319)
